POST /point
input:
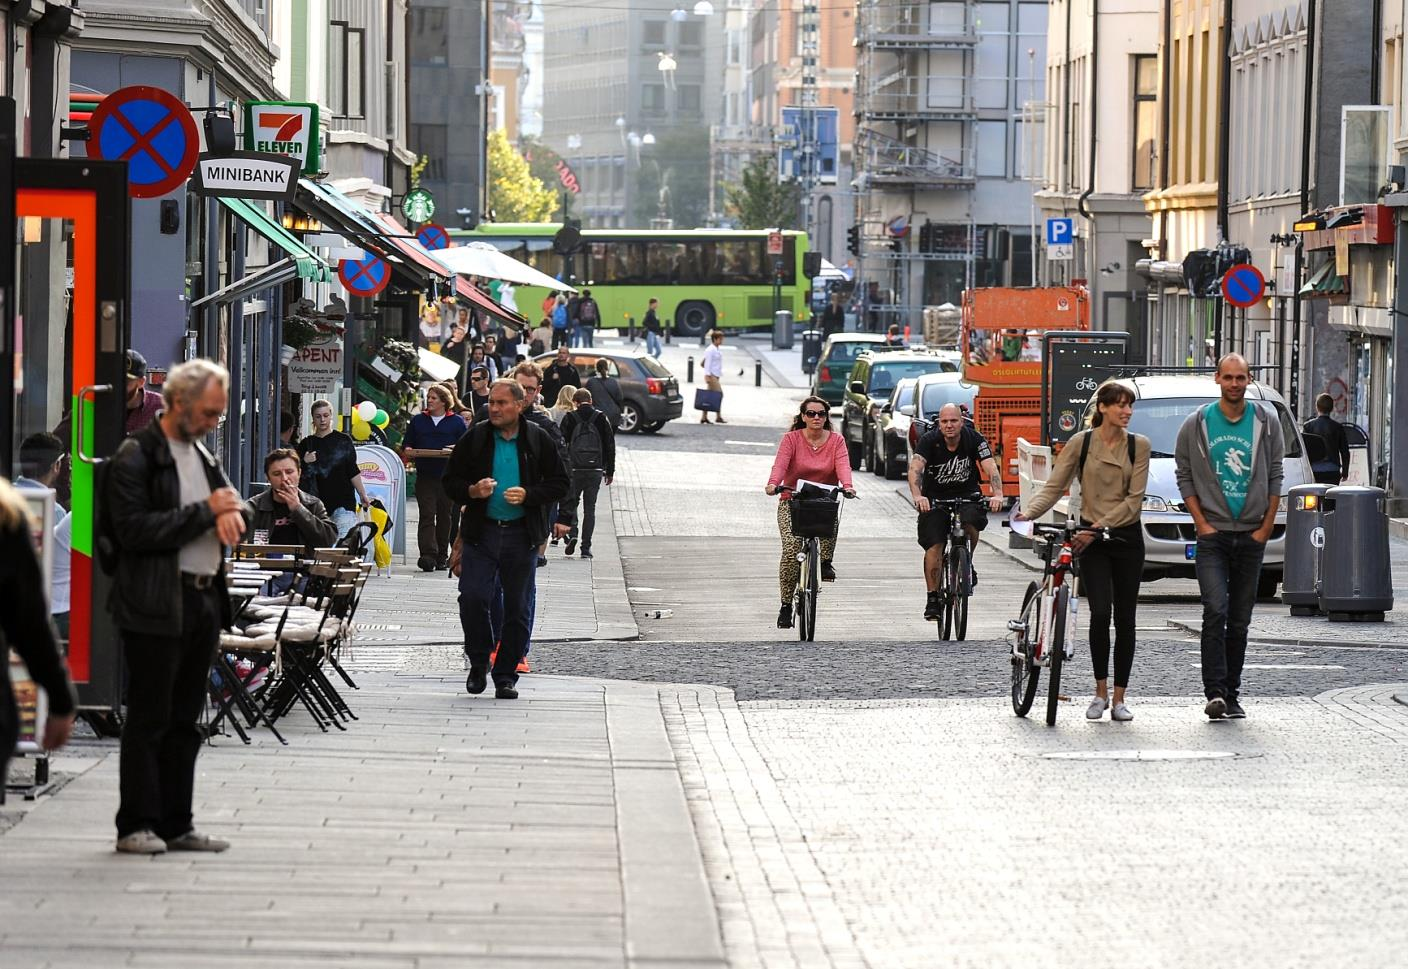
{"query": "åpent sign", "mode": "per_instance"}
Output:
(366, 276)
(1243, 286)
(151, 130)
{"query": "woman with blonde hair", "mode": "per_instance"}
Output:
(564, 405)
(27, 629)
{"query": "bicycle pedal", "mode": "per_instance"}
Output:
(1016, 626)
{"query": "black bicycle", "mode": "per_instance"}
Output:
(956, 571)
(815, 516)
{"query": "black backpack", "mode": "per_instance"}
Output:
(586, 449)
(587, 311)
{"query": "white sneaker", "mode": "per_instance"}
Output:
(1121, 713)
(1097, 708)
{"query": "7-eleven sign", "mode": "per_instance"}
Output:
(283, 128)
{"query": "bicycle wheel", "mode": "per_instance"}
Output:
(946, 598)
(1056, 649)
(962, 586)
(812, 588)
(802, 615)
(1026, 674)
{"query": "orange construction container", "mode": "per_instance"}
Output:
(1001, 345)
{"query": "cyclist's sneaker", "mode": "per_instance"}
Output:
(1235, 711)
(932, 607)
(828, 571)
(1121, 713)
(1097, 708)
(974, 576)
(1216, 708)
(784, 616)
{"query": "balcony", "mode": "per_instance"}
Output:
(902, 97)
(882, 161)
(906, 25)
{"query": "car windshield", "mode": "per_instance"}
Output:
(1159, 421)
(949, 392)
(653, 367)
(846, 351)
(885, 375)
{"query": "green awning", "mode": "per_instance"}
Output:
(1325, 282)
(310, 265)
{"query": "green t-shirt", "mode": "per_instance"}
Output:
(505, 477)
(1230, 444)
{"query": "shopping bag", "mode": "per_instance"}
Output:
(708, 400)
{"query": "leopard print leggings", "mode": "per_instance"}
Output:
(788, 568)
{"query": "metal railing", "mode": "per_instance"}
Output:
(883, 160)
(906, 23)
(923, 96)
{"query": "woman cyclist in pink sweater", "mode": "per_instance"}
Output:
(813, 452)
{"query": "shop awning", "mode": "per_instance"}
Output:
(307, 264)
(1325, 283)
(351, 220)
(283, 271)
(402, 239)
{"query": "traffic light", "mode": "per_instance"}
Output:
(926, 237)
(853, 240)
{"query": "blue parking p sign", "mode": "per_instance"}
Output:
(1060, 232)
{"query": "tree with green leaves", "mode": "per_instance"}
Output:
(543, 162)
(515, 195)
(760, 201)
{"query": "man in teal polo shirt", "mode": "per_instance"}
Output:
(506, 472)
(1228, 464)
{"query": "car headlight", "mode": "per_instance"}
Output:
(1155, 503)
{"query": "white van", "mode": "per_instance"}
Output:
(1162, 403)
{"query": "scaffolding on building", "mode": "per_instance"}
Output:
(915, 113)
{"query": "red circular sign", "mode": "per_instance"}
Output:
(1243, 285)
(151, 130)
(432, 236)
(366, 276)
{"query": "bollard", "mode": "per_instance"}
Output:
(703, 337)
(667, 331)
(689, 372)
(631, 328)
(758, 374)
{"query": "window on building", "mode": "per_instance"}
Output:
(653, 33)
(431, 141)
(429, 38)
(1146, 120)
(687, 98)
(347, 70)
(992, 149)
(691, 34)
(652, 98)
(993, 70)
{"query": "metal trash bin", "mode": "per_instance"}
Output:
(1356, 578)
(782, 330)
(1305, 538)
(811, 350)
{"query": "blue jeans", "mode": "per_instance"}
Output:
(584, 335)
(1228, 567)
(652, 344)
(504, 559)
(344, 519)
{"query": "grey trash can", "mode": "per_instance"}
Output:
(811, 350)
(1356, 579)
(782, 330)
(1305, 538)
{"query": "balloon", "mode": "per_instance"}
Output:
(366, 410)
(361, 431)
(381, 419)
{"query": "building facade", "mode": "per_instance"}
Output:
(948, 104)
(448, 48)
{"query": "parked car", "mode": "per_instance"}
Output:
(650, 393)
(838, 356)
(1162, 402)
(886, 450)
(873, 379)
(931, 393)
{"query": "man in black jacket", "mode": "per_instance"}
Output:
(170, 515)
(1331, 466)
(506, 473)
(591, 450)
(562, 372)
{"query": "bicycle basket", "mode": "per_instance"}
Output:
(814, 517)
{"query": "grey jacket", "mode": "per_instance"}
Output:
(1196, 477)
(310, 516)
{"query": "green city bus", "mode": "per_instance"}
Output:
(703, 278)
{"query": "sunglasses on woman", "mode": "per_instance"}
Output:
(814, 413)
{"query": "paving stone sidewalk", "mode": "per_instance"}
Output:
(440, 830)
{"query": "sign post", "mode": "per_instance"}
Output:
(432, 236)
(316, 368)
(1243, 286)
(1060, 239)
(151, 130)
(247, 175)
(418, 205)
(366, 276)
(284, 128)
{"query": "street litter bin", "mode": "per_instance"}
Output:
(782, 330)
(811, 350)
(1305, 538)
(1356, 578)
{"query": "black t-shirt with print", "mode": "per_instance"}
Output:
(284, 530)
(951, 474)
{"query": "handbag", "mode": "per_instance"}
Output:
(708, 400)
